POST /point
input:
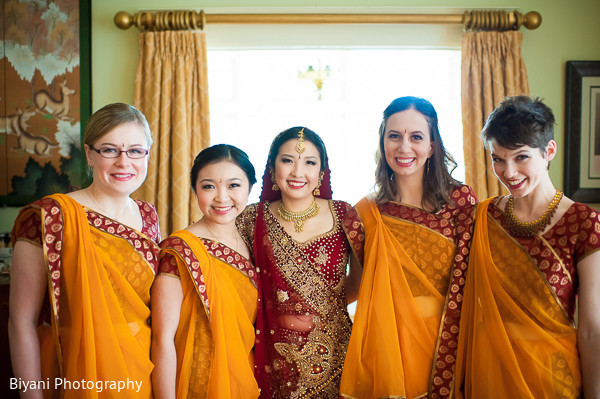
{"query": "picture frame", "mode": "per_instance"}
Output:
(582, 131)
(46, 102)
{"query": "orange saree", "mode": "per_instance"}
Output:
(403, 298)
(99, 278)
(517, 332)
(215, 336)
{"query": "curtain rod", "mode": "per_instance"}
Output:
(475, 20)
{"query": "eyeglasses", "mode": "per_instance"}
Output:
(109, 152)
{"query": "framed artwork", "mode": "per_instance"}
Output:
(582, 131)
(45, 97)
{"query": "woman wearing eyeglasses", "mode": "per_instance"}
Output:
(82, 268)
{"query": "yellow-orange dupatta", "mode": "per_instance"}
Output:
(393, 339)
(515, 339)
(103, 329)
(230, 329)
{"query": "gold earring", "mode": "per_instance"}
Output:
(427, 171)
(316, 191)
(275, 187)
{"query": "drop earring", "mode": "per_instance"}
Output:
(275, 187)
(316, 191)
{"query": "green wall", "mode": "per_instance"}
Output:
(569, 31)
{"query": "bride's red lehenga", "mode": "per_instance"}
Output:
(299, 279)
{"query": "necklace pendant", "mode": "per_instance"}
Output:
(298, 218)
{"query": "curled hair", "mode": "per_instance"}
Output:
(292, 133)
(111, 116)
(520, 121)
(218, 153)
(438, 183)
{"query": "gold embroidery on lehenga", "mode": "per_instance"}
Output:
(316, 361)
(282, 296)
(317, 356)
(322, 258)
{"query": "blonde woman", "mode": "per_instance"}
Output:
(82, 269)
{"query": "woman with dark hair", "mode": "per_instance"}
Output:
(410, 242)
(82, 269)
(205, 298)
(299, 246)
(534, 253)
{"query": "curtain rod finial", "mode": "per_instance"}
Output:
(532, 20)
(123, 20)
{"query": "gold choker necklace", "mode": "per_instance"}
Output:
(528, 229)
(298, 217)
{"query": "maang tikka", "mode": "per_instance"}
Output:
(300, 147)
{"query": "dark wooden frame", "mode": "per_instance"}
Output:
(575, 72)
(85, 96)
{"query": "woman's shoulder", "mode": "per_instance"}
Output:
(341, 207)
(248, 215)
(250, 209)
(462, 203)
(48, 204)
(178, 240)
(582, 215)
(584, 210)
(145, 206)
(147, 209)
(246, 221)
(463, 195)
(582, 223)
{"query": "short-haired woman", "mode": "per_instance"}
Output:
(533, 253)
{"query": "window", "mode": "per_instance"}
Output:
(256, 93)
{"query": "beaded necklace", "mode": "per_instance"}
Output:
(298, 217)
(529, 229)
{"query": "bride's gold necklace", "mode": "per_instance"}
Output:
(298, 217)
(528, 229)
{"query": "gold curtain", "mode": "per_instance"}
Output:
(492, 69)
(171, 89)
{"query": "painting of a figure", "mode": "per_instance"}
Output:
(40, 130)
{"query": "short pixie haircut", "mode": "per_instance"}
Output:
(520, 121)
(218, 153)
